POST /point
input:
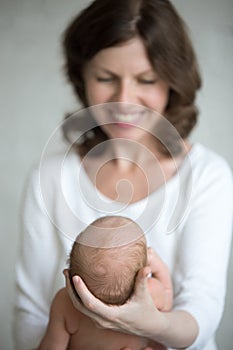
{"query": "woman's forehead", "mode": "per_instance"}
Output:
(131, 54)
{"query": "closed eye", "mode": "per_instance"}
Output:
(104, 80)
(148, 81)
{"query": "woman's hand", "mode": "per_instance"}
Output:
(137, 316)
(160, 271)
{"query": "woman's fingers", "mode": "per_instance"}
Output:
(72, 295)
(161, 272)
(75, 300)
(160, 269)
(141, 285)
(79, 303)
(97, 309)
(82, 291)
(88, 299)
(149, 255)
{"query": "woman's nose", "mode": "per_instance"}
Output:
(125, 93)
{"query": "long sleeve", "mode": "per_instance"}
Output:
(38, 270)
(204, 248)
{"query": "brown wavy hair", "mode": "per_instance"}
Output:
(106, 23)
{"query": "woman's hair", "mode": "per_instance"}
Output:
(106, 23)
(109, 272)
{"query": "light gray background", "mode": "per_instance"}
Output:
(34, 97)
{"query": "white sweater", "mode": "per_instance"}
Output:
(188, 221)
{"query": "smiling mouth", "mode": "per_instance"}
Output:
(126, 118)
(132, 117)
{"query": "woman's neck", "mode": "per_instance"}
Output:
(129, 171)
(127, 153)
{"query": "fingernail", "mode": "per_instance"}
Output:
(76, 279)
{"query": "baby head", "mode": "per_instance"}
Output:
(107, 256)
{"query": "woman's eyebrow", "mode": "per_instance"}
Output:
(105, 70)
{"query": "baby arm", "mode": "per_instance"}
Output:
(56, 336)
(160, 285)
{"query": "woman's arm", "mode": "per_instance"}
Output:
(204, 246)
(36, 269)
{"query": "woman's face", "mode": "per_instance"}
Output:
(124, 74)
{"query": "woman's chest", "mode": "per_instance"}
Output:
(129, 182)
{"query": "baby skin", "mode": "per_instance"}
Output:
(109, 269)
(70, 329)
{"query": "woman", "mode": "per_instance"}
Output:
(133, 61)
